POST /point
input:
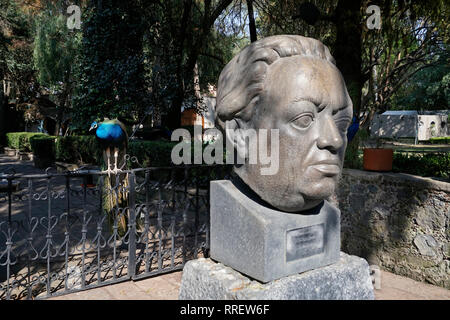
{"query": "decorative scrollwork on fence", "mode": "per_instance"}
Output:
(59, 235)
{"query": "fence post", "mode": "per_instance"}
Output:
(9, 242)
(131, 225)
(197, 208)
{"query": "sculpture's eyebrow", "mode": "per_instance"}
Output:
(318, 103)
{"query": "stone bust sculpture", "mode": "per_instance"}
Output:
(271, 226)
(289, 83)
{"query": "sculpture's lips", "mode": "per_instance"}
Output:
(328, 167)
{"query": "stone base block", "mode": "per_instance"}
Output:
(267, 244)
(348, 279)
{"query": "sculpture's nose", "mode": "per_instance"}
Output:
(329, 135)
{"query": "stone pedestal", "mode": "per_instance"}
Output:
(348, 279)
(267, 244)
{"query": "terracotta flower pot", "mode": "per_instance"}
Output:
(378, 159)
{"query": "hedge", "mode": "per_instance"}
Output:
(427, 165)
(43, 146)
(21, 140)
(44, 151)
(85, 149)
(440, 140)
(152, 153)
(78, 149)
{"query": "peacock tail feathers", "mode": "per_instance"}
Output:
(115, 201)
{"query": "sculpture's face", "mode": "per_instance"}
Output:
(307, 101)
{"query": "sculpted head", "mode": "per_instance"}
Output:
(289, 83)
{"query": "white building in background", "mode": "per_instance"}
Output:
(433, 126)
(411, 124)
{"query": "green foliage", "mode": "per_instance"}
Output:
(404, 53)
(85, 149)
(152, 153)
(21, 140)
(55, 51)
(353, 159)
(55, 47)
(72, 149)
(78, 149)
(43, 146)
(428, 164)
(180, 36)
(278, 18)
(16, 62)
(440, 140)
(111, 73)
(220, 50)
(353, 155)
(428, 89)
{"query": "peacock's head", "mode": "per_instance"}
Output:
(94, 125)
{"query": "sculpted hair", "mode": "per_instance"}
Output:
(242, 79)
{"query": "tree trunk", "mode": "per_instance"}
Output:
(197, 91)
(347, 52)
(185, 71)
(348, 48)
(63, 102)
(2, 116)
(173, 120)
(251, 21)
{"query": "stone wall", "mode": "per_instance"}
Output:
(399, 222)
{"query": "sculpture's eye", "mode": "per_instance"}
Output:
(303, 121)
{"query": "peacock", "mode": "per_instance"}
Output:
(112, 135)
(353, 129)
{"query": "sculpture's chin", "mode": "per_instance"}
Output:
(294, 198)
(321, 190)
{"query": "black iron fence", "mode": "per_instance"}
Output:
(66, 232)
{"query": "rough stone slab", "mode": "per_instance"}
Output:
(267, 244)
(398, 178)
(348, 279)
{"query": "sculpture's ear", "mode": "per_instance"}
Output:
(235, 137)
